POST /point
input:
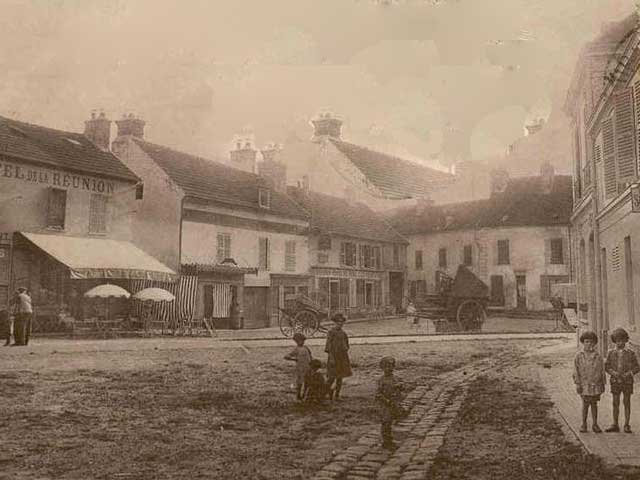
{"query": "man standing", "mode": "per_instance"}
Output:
(24, 313)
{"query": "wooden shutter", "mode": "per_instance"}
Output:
(636, 111)
(625, 136)
(547, 251)
(343, 253)
(609, 158)
(263, 255)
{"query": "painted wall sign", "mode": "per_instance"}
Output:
(14, 172)
(635, 198)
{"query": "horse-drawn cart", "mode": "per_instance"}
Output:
(302, 314)
(461, 301)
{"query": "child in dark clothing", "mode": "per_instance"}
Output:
(388, 396)
(337, 348)
(316, 388)
(621, 365)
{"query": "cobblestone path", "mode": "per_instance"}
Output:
(433, 409)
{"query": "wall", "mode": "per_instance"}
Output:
(156, 223)
(527, 249)
(24, 194)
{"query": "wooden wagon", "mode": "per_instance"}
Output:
(302, 314)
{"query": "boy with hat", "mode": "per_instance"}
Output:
(621, 365)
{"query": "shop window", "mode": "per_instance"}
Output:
(98, 213)
(223, 247)
(57, 208)
(503, 252)
(360, 292)
(290, 255)
(557, 253)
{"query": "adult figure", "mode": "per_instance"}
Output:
(23, 317)
(5, 325)
(337, 348)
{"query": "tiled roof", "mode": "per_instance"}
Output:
(393, 176)
(212, 181)
(56, 148)
(334, 215)
(521, 204)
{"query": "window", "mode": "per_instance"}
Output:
(360, 292)
(98, 213)
(442, 258)
(57, 208)
(223, 248)
(503, 252)
(396, 255)
(497, 290)
(418, 259)
(547, 281)
(348, 254)
(366, 256)
(264, 198)
(377, 258)
(557, 253)
(324, 242)
(467, 255)
(263, 254)
(290, 255)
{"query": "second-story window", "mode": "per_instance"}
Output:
(223, 247)
(377, 258)
(290, 255)
(348, 254)
(557, 253)
(263, 254)
(418, 259)
(442, 258)
(98, 213)
(57, 208)
(503, 252)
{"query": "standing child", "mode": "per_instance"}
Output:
(302, 356)
(315, 386)
(588, 375)
(337, 348)
(388, 396)
(621, 365)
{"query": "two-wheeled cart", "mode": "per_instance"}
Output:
(303, 315)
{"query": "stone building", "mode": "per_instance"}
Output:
(603, 103)
(516, 241)
(66, 207)
(238, 233)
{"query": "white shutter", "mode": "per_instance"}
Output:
(625, 136)
(609, 158)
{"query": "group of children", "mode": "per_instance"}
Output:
(589, 376)
(312, 387)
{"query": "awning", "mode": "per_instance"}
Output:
(101, 258)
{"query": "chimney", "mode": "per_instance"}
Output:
(326, 125)
(547, 173)
(131, 125)
(243, 156)
(273, 169)
(98, 130)
(499, 181)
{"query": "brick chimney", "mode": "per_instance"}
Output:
(547, 172)
(273, 169)
(326, 125)
(243, 156)
(98, 130)
(499, 181)
(131, 125)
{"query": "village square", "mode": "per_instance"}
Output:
(206, 271)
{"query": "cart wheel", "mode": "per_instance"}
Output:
(287, 325)
(306, 322)
(470, 315)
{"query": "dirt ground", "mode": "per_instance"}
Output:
(507, 429)
(192, 413)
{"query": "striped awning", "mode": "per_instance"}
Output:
(101, 258)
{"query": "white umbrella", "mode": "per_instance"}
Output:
(107, 290)
(154, 295)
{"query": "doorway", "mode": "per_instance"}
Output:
(334, 294)
(396, 289)
(255, 307)
(521, 292)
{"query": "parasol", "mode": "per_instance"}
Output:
(107, 291)
(154, 295)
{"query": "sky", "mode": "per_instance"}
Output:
(429, 80)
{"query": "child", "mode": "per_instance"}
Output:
(588, 375)
(302, 356)
(316, 389)
(622, 365)
(412, 319)
(388, 396)
(337, 348)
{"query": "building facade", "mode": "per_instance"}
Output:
(517, 241)
(66, 206)
(603, 104)
(243, 239)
